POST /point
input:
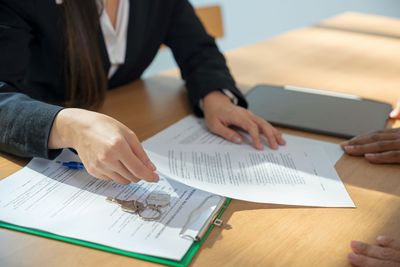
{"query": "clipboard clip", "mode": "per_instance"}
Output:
(218, 222)
(211, 221)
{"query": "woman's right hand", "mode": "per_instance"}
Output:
(108, 149)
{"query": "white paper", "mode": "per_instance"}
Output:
(292, 175)
(192, 131)
(314, 162)
(334, 151)
(46, 196)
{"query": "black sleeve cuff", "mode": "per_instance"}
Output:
(27, 125)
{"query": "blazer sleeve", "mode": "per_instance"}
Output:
(202, 65)
(25, 123)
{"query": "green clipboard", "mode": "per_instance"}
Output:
(182, 263)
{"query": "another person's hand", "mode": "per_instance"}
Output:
(378, 147)
(108, 149)
(220, 113)
(395, 114)
(385, 254)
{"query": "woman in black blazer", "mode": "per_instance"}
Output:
(55, 67)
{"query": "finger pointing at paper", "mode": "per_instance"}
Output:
(108, 149)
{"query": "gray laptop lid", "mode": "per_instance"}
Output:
(318, 111)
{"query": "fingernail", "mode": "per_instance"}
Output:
(152, 166)
(352, 256)
(383, 239)
(370, 155)
(260, 147)
(237, 140)
(348, 147)
(360, 246)
(274, 145)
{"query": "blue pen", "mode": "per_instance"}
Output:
(73, 165)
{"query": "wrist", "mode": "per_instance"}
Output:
(216, 97)
(61, 131)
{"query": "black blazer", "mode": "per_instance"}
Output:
(32, 63)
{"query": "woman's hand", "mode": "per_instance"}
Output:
(108, 149)
(220, 114)
(378, 147)
(385, 254)
(395, 114)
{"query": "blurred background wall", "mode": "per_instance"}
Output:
(250, 21)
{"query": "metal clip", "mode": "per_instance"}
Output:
(218, 222)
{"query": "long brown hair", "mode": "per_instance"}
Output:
(85, 78)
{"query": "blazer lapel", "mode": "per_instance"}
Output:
(103, 52)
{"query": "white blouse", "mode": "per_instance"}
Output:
(116, 38)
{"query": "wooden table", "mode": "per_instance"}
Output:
(364, 24)
(258, 234)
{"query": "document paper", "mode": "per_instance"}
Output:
(192, 131)
(296, 174)
(49, 197)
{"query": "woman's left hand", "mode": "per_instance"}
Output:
(220, 113)
(385, 254)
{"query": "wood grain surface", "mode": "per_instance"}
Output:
(258, 234)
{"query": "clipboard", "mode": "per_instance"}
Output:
(199, 239)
